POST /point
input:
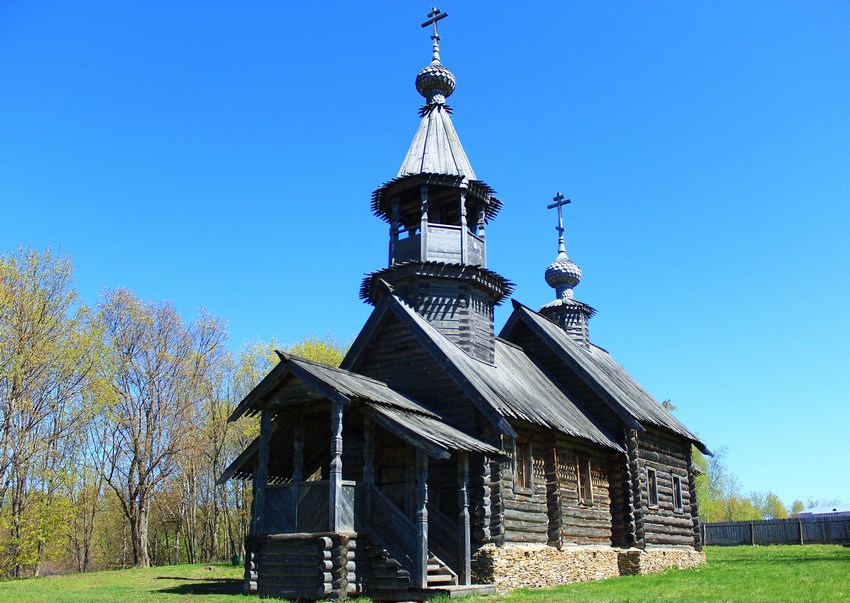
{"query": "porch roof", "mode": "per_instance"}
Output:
(393, 411)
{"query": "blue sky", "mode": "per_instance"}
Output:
(222, 155)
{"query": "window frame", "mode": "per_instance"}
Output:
(652, 487)
(523, 475)
(584, 476)
(678, 496)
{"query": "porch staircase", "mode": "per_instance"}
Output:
(390, 581)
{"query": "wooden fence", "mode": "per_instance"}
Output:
(808, 530)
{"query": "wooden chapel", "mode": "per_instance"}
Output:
(437, 450)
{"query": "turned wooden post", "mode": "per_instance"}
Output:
(261, 474)
(297, 464)
(421, 574)
(410, 483)
(463, 236)
(423, 224)
(394, 227)
(480, 232)
(368, 470)
(335, 486)
(463, 519)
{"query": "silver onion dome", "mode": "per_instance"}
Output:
(435, 83)
(563, 275)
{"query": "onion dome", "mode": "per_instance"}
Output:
(563, 275)
(435, 83)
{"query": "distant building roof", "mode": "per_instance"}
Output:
(842, 509)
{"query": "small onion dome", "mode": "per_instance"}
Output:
(435, 83)
(562, 275)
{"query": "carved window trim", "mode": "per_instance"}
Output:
(523, 470)
(678, 501)
(584, 475)
(652, 487)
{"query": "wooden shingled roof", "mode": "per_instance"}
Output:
(601, 373)
(513, 387)
(436, 148)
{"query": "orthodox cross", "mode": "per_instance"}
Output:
(435, 15)
(559, 202)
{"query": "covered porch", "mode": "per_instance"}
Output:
(341, 474)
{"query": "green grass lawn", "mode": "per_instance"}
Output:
(771, 573)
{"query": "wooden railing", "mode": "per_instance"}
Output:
(392, 529)
(303, 507)
(443, 537)
(443, 245)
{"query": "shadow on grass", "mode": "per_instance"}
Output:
(203, 586)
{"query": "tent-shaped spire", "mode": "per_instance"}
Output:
(436, 148)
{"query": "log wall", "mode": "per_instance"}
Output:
(395, 357)
(589, 521)
(663, 525)
(304, 566)
(549, 510)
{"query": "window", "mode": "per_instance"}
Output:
(585, 484)
(677, 493)
(652, 486)
(522, 463)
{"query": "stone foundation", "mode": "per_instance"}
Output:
(541, 566)
(636, 561)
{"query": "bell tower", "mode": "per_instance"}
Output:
(438, 211)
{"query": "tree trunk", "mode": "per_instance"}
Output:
(139, 535)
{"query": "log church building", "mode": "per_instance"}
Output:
(443, 457)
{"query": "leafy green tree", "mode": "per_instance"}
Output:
(48, 352)
(797, 506)
(773, 508)
(324, 350)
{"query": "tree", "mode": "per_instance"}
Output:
(797, 506)
(324, 350)
(157, 367)
(773, 508)
(47, 354)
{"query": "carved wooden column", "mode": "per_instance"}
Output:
(480, 233)
(421, 574)
(463, 519)
(368, 470)
(394, 220)
(423, 224)
(298, 448)
(335, 486)
(464, 239)
(410, 483)
(261, 474)
(297, 464)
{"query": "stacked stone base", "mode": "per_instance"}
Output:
(636, 561)
(541, 566)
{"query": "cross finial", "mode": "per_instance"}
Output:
(559, 202)
(435, 15)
